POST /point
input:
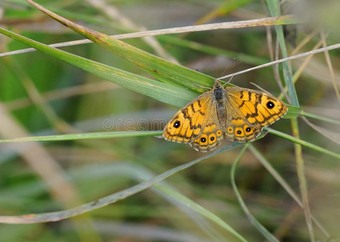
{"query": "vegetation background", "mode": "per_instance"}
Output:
(41, 95)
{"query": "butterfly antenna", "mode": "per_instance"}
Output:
(263, 90)
(225, 83)
(230, 79)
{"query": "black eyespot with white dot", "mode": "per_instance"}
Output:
(177, 124)
(270, 105)
(248, 130)
(203, 140)
(212, 138)
(239, 132)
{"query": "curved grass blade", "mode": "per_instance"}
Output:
(283, 183)
(251, 218)
(113, 198)
(177, 96)
(156, 66)
(198, 208)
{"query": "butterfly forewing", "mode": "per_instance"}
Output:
(187, 122)
(257, 107)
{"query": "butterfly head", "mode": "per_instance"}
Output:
(217, 84)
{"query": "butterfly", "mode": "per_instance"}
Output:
(232, 114)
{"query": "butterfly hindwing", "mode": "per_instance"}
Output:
(212, 134)
(238, 129)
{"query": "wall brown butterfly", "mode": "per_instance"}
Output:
(224, 114)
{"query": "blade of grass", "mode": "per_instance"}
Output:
(302, 67)
(330, 66)
(293, 112)
(300, 167)
(113, 13)
(293, 57)
(154, 65)
(304, 143)
(34, 95)
(176, 30)
(84, 136)
(198, 208)
(329, 134)
(274, 9)
(223, 9)
(253, 60)
(320, 117)
(121, 134)
(169, 94)
(57, 216)
(283, 183)
(251, 218)
(158, 67)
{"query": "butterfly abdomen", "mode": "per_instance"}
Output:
(219, 101)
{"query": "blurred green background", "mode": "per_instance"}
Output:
(42, 96)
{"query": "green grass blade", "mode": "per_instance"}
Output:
(84, 136)
(274, 9)
(154, 65)
(169, 94)
(251, 218)
(225, 8)
(283, 183)
(198, 208)
(293, 112)
(113, 198)
(321, 118)
(253, 60)
(304, 143)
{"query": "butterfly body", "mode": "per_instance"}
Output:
(224, 114)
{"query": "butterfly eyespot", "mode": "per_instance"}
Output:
(203, 140)
(219, 133)
(270, 105)
(239, 131)
(230, 130)
(212, 138)
(248, 129)
(177, 124)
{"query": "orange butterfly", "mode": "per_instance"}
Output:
(224, 114)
